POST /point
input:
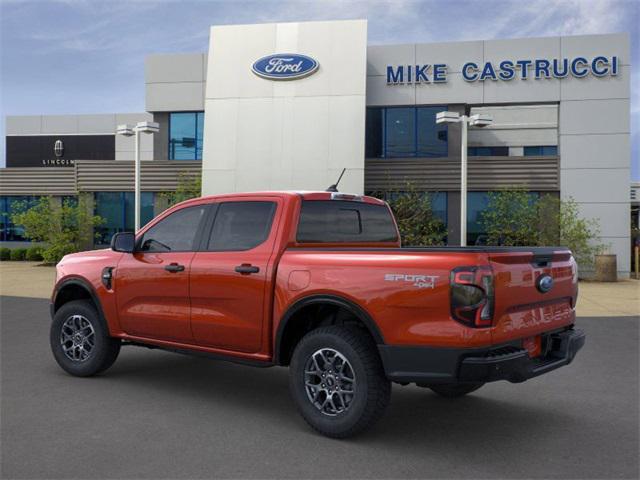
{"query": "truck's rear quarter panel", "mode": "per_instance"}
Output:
(406, 314)
(384, 282)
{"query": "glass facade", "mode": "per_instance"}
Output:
(9, 232)
(405, 132)
(477, 202)
(185, 135)
(488, 151)
(541, 151)
(117, 209)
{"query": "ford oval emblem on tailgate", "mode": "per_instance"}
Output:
(284, 66)
(544, 283)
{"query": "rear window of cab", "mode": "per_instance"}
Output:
(337, 221)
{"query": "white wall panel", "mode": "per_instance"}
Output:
(263, 134)
(379, 56)
(59, 124)
(516, 137)
(453, 54)
(23, 125)
(98, 124)
(521, 49)
(174, 68)
(595, 151)
(593, 88)
(520, 91)
(175, 97)
(594, 117)
(600, 185)
(613, 219)
(381, 94)
(346, 131)
(220, 125)
(455, 90)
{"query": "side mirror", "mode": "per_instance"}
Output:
(123, 242)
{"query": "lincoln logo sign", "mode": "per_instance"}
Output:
(505, 70)
(58, 148)
(285, 66)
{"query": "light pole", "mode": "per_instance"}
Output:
(128, 131)
(477, 120)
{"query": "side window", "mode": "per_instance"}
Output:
(175, 233)
(241, 225)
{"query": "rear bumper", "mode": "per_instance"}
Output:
(429, 365)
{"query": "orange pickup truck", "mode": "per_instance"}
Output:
(317, 281)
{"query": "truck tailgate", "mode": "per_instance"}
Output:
(527, 302)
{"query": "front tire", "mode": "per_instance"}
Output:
(337, 381)
(80, 341)
(455, 390)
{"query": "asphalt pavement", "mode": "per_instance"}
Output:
(162, 415)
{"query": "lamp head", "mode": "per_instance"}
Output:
(148, 127)
(447, 117)
(480, 120)
(124, 129)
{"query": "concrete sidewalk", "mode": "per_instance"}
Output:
(26, 279)
(620, 299)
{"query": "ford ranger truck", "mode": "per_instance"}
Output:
(318, 282)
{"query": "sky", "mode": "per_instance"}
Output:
(87, 56)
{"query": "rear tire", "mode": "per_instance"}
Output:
(80, 341)
(454, 390)
(337, 381)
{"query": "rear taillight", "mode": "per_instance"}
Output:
(472, 296)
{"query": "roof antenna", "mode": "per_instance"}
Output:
(334, 187)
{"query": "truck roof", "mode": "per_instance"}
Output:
(305, 194)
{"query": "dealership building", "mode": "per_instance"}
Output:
(289, 105)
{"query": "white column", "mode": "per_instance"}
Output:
(463, 184)
(137, 181)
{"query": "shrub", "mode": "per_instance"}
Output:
(417, 223)
(518, 218)
(34, 254)
(18, 254)
(65, 228)
(511, 218)
(189, 186)
(5, 253)
(561, 224)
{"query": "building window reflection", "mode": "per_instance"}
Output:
(117, 209)
(541, 151)
(405, 132)
(10, 232)
(185, 135)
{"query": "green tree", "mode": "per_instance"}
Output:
(515, 217)
(561, 224)
(511, 218)
(189, 186)
(417, 223)
(64, 228)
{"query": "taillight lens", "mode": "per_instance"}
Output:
(472, 296)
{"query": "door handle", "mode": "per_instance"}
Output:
(247, 269)
(174, 267)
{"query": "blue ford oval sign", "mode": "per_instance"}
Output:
(544, 283)
(285, 66)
